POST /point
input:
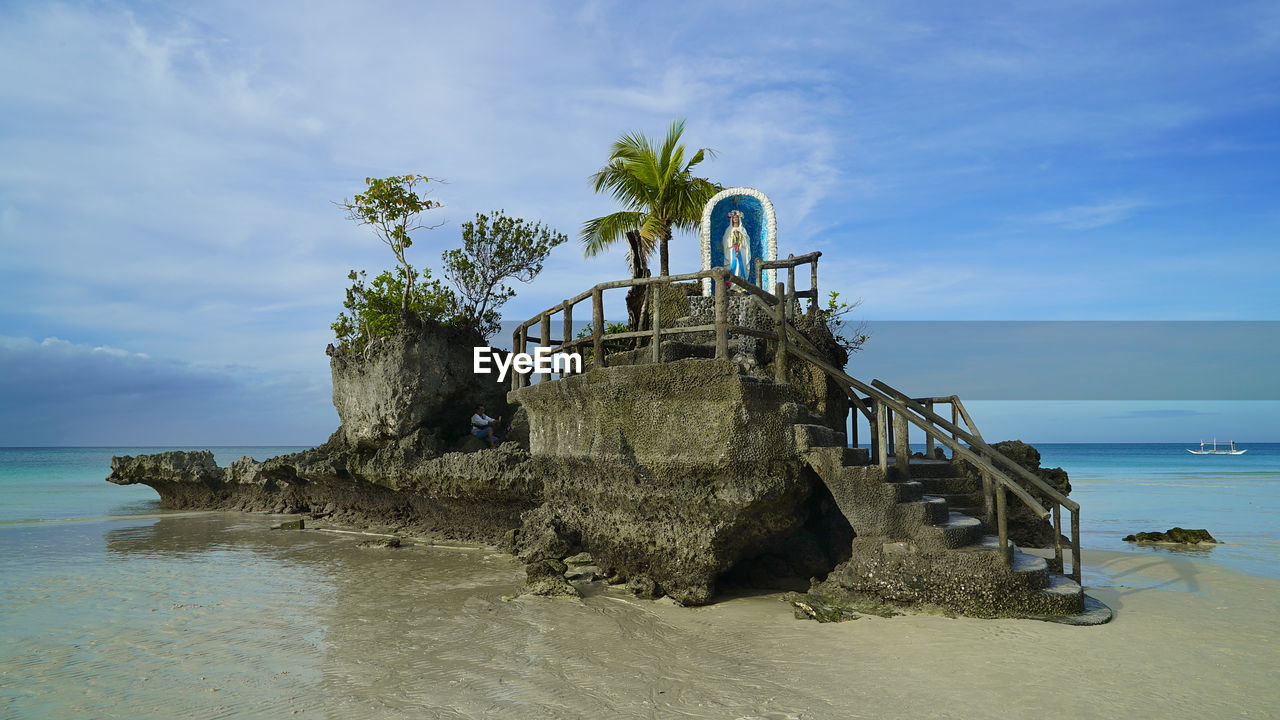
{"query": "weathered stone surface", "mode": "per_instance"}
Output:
(1177, 535)
(546, 578)
(420, 381)
(674, 474)
(476, 496)
(672, 478)
(974, 581)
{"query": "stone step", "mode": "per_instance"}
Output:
(1060, 596)
(927, 468)
(956, 532)
(907, 491)
(951, 484)
(811, 436)
(928, 511)
(856, 456)
(956, 500)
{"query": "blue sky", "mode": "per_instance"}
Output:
(170, 258)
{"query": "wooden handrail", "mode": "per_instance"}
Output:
(976, 441)
(792, 261)
(965, 443)
(1003, 482)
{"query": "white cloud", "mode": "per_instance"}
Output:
(169, 170)
(1089, 217)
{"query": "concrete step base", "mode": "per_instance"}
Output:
(955, 532)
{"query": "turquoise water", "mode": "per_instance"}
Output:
(1123, 488)
(111, 607)
(44, 484)
(1128, 488)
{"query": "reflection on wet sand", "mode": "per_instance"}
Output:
(214, 614)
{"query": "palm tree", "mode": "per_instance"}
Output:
(657, 189)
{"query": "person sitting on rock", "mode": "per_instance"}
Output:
(482, 426)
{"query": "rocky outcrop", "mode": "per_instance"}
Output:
(404, 403)
(417, 385)
(1177, 535)
(1025, 527)
(674, 475)
(477, 496)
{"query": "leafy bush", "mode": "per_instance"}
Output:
(850, 337)
(373, 310)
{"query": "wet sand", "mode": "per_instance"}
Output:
(214, 615)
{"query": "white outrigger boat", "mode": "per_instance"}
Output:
(1216, 451)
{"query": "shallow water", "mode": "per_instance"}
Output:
(209, 615)
(110, 607)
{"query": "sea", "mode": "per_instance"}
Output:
(113, 607)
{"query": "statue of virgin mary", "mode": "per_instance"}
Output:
(737, 246)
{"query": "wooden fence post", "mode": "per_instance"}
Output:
(597, 326)
(955, 420)
(813, 306)
(655, 295)
(1002, 521)
(568, 337)
(902, 450)
(1075, 545)
(544, 340)
(515, 348)
(928, 439)
(882, 436)
(780, 357)
(524, 342)
(722, 321)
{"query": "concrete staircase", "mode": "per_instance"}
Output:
(919, 539)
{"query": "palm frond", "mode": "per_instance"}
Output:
(654, 184)
(599, 233)
(653, 228)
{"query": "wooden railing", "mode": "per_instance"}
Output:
(598, 341)
(889, 413)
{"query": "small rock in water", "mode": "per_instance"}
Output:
(546, 578)
(642, 586)
(298, 524)
(590, 573)
(811, 608)
(391, 542)
(1181, 536)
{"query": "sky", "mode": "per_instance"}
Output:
(171, 255)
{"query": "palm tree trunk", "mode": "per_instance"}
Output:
(637, 318)
(666, 268)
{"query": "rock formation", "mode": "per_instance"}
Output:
(673, 474)
(403, 405)
(675, 477)
(415, 389)
(1025, 527)
(1177, 536)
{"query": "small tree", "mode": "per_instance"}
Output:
(373, 310)
(392, 207)
(656, 186)
(494, 250)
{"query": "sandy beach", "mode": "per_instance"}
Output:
(215, 615)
